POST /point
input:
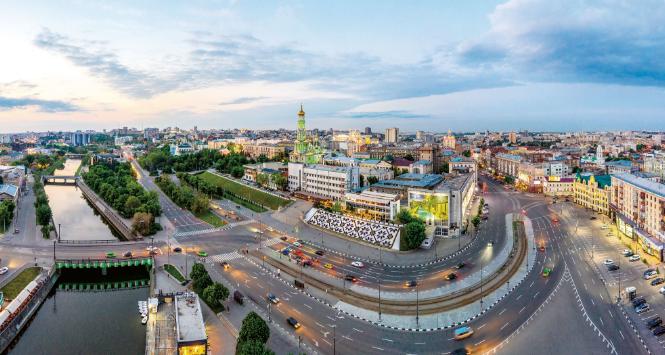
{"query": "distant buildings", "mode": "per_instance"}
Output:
(79, 138)
(392, 135)
(449, 140)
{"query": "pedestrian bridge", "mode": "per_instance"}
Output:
(102, 286)
(103, 263)
(60, 179)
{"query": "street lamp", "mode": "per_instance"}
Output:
(417, 306)
(58, 232)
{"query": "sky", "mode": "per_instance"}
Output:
(417, 65)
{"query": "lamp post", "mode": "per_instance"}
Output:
(58, 231)
(417, 306)
(379, 278)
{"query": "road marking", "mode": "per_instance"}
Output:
(532, 283)
(521, 310)
(594, 303)
(601, 296)
(358, 330)
(610, 312)
(601, 321)
(620, 333)
(377, 348)
(423, 343)
(329, 343)
(306, 305)
(347, 338)
(319, 324)
(536, 295)
(484, 324)
(480, 342)
(500, 313)
(503, 326)
(386, 339)
(518, 297)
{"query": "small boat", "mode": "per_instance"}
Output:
(144, 320)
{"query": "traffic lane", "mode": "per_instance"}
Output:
(593, 293)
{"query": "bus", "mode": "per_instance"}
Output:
(463, 332)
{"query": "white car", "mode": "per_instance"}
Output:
(296, 244)
(634, 258)
(608, 262)
(4, 270)
(626, 252)
(357, 264)
(662, 290)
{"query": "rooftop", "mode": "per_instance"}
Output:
(509, 156)
(626, 163)
(8, 189)
(412, 180)
(601, 180)
(644, 184)
(188, 318)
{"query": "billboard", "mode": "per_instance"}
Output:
(429, 205)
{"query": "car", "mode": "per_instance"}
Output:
(541, 247)
(297, 244)
(411, 283)
(638, 301)
(612, 267)
(662, 290)
(308, 262)
(460, 351)
(150, 248)
(272, 298)
(301, 241)
(608, 262)
(451, 276)
(128, 254)
(351, 278)
(593, 218)
(319, 252)
(546, 271)
(110, 255)
(463, 332)
(3, 270)
(627, 252)
(16, 231)
(555, 220)
(659, 330)
(293, 322)
(177, 249)
(634, 258)
(657, 281)
(654, 322)
(286, 251)
(328, 266)
(357, 264)
(202, 254)
(225, 265)
(642, 308)
(283, 238)
(490, 243)
(650, 274)
(604, 226)
(459, 266)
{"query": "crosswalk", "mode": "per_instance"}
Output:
(225, 257)
(212, 230)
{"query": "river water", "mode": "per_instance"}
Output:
(77, 220)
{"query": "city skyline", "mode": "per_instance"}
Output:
(497, 65)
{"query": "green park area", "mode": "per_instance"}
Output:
(15, 286)
(174, 272)
(245, 192)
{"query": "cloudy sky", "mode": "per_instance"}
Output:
(433, 65)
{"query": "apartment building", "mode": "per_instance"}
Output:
(593, 192)
(323, 181)
(508, 164)
(638, 207)
(269, 151)
(655, 163)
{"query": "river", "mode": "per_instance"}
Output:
(72, 213)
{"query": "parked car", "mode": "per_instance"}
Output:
(357, 264)
(128, 254)
(459, 266)
(638, 301)
(293, 322)
(658, 331)
(283, 238)
(649, 274)
(3, 270)
(110, 255)
(657, 281)
(634, 258)
(627, 252)
(297, 244)
(272, 298)
(451, 276)
(608, 262)
(612, 267)
(308, 262)
(654, 322)
(642, 308)
(319, 252)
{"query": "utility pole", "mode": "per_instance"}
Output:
(481, 284)
(417, 306)
(58, 231)
(379, 278)
(54, 251)
(334, 338)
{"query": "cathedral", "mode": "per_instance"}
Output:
(306, 149)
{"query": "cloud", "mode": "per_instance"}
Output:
(242, 100)
(102, 63)
(571, 41)
(382, 114)
(50, 106)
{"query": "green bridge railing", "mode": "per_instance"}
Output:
(102, 264)
(102, 286)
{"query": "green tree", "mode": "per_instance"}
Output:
(280, 181)
(337, 207)
(404, 217)
(253, 347)
(198, 270)
(466, 153)
(253, 328)
(215, 293)
(237, 171)
(132, 203)
(509, 179)
(371, 180)
(414, 234)
(43, 213)
(475, 221)
(201, 283)
(262, 179)
(142, 223)
(200, 204)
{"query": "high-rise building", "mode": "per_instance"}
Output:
(79, 138)
(392, 135)
(368, 130)
(512, 137)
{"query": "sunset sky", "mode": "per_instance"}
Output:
(432, 65)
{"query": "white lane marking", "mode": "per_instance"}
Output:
(377, 348)
(306, 305)
(423, 343)
(480, 342)
(320, 325)
(347, 338)
(522, 310)
(536, 295)
(386, 339)
(500, 313)
(503, 326)
(358, 330)
(518, 297)
(482, 326)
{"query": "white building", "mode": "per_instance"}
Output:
(373, 205)
(330, 182)
(392, 135)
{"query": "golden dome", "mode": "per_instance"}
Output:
(301, 113)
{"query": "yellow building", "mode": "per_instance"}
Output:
(593, 192)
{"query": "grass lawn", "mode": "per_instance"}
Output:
(174, 272)
(251, 194)
(211, 218)
(15, 286)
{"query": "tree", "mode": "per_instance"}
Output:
(409, 157)
(253, 328)
(404, 217)
(466, 153)
(43, 213)
(200, 204)
(475, 221)
(132, 203)
(337, 207)
(253, 347)
(198, 270)
(414, 234)
(200, 284)
(237, 171)
(262, 179)
(215, 293)
(280, 181)
(142, 223)
(509, 179)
